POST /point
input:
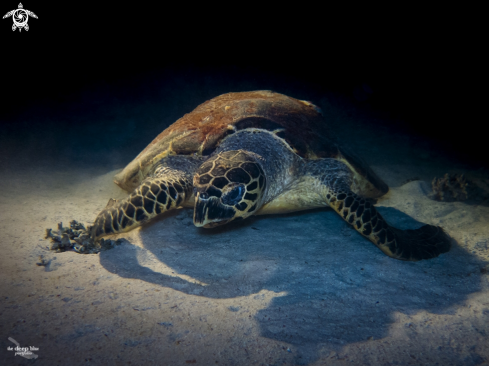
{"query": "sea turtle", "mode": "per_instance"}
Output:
(20, 17)
(253, 153)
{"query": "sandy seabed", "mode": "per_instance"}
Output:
(295, 289)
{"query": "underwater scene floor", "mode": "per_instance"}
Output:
(296, 289)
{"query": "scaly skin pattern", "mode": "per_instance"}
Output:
(228, 186)
(425, 242)
(329, 182)
(254, 171)
(151, 198)
(169, 186)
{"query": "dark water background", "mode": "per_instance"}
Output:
(90, 86)
(94, 84)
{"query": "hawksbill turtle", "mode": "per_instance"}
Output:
(20, 17)
(255, 153)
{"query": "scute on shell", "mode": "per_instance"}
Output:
(300, 123)
(200, 131)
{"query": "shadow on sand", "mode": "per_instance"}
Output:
(339, 288)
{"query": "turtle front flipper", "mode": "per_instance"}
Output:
(425, 242)
(411, 245)
(153, 197)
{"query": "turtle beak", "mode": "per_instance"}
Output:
(209, 212)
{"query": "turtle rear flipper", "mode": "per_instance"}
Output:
(411, 245)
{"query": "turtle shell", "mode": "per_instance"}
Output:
(199, 132)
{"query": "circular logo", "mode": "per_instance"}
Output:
(20, 17)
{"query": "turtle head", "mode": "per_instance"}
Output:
(227, 187)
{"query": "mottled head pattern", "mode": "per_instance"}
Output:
(227, 187)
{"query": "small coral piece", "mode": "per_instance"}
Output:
(452, 187)
(42, 261)
(78, 238)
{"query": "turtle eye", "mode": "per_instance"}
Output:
(233, 196)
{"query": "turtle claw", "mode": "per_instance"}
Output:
(78, 238)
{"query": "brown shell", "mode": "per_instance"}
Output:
(200, 131)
